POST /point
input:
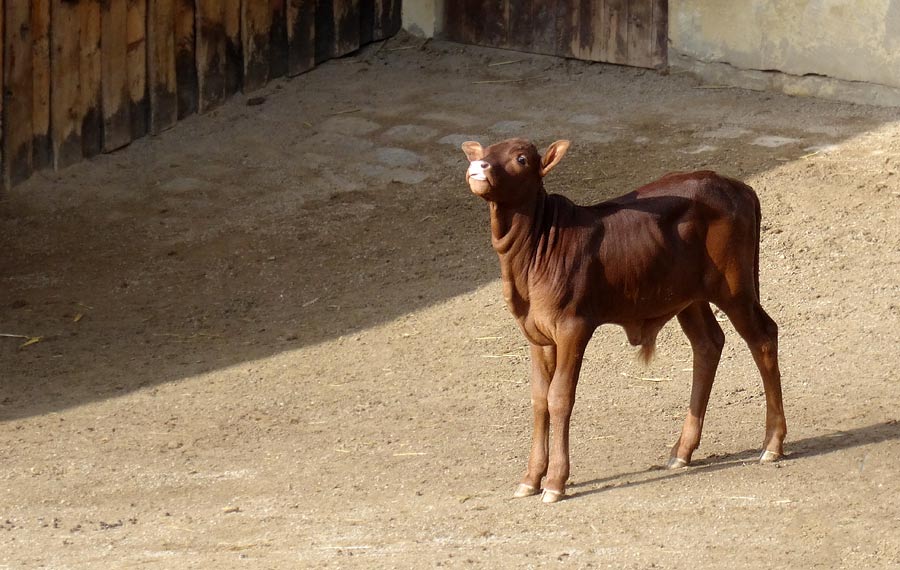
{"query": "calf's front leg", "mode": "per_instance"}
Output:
(543, 365)
(560, 401)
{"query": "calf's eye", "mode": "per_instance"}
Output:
(521, 160)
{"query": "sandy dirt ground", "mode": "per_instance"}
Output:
(274, 337)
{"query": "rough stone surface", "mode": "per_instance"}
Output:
(347, 125)
(392, 156)
(414, 133)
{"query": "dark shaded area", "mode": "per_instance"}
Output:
(799, 449)
(631, 32)
(179, 281)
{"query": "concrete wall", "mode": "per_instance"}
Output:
(839, 49)
(820, 47)
(421, 17)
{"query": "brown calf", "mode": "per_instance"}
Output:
(668, 249)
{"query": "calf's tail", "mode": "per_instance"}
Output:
(647, 350)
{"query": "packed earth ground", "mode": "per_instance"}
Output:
(274, 337)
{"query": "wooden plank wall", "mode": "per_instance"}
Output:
(80, 77)
(628, 32)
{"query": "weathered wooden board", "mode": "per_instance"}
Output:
(494, 23)
(18, 94)
(346, 26)
(210, 53)
(185, 58)
(325, 32)
(161, 64)
(520, 25)
(387, 19)
(256, 27)
(234, 47)
(90, 78)
(366, 21)
(3, 184)
(641, 35)
(545, 36)
(278, 39)
(41, 150)
(65, 66)
(114, 80)
(301, 35)
(584, 37)
(138, 96)
(79, 77)
(629, 32)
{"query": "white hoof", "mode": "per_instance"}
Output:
(524, 490)
(769, 456)
(676, 463)
(550, 496)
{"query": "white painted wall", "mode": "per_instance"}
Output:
(420, 17)
(823, 45)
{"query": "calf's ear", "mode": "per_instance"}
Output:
(473, 150)
(554, 154)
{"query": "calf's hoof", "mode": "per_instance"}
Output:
(524, 490)
(769, 456)
(551, 496)
(676, 463)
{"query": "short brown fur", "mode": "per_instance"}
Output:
(667, 249)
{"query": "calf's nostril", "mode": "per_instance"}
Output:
(485, 165)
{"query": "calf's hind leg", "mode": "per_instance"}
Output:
(760, 333)
(707, 339)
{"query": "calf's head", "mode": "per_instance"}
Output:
(510, 172)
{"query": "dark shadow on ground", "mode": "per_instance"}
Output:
(800, 449)
(141, 284)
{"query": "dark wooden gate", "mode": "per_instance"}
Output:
(80, 77)
(627, 32)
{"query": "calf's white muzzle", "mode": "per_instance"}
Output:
(476, 170)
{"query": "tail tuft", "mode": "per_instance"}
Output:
(648, 349)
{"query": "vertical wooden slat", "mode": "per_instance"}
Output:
(185, 58)
(18, 81)
(493, 29)
(90, 78)
(136, 55)
(474, 23)
(520, 24)
(600, 47)
(544, 20)
(234, 47)
(617, 31)
(301, 35)
(390, 21)
(256, 24)
(3, 185)
(324, 30)
(640, 33)
(346, 26)
(566, 27)
(453, 20)
(366, 21)
(42, 154)
(278, 40)
(161, 64)
(65, 65)
(114, 82)
(210, 53)
(583, 37)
